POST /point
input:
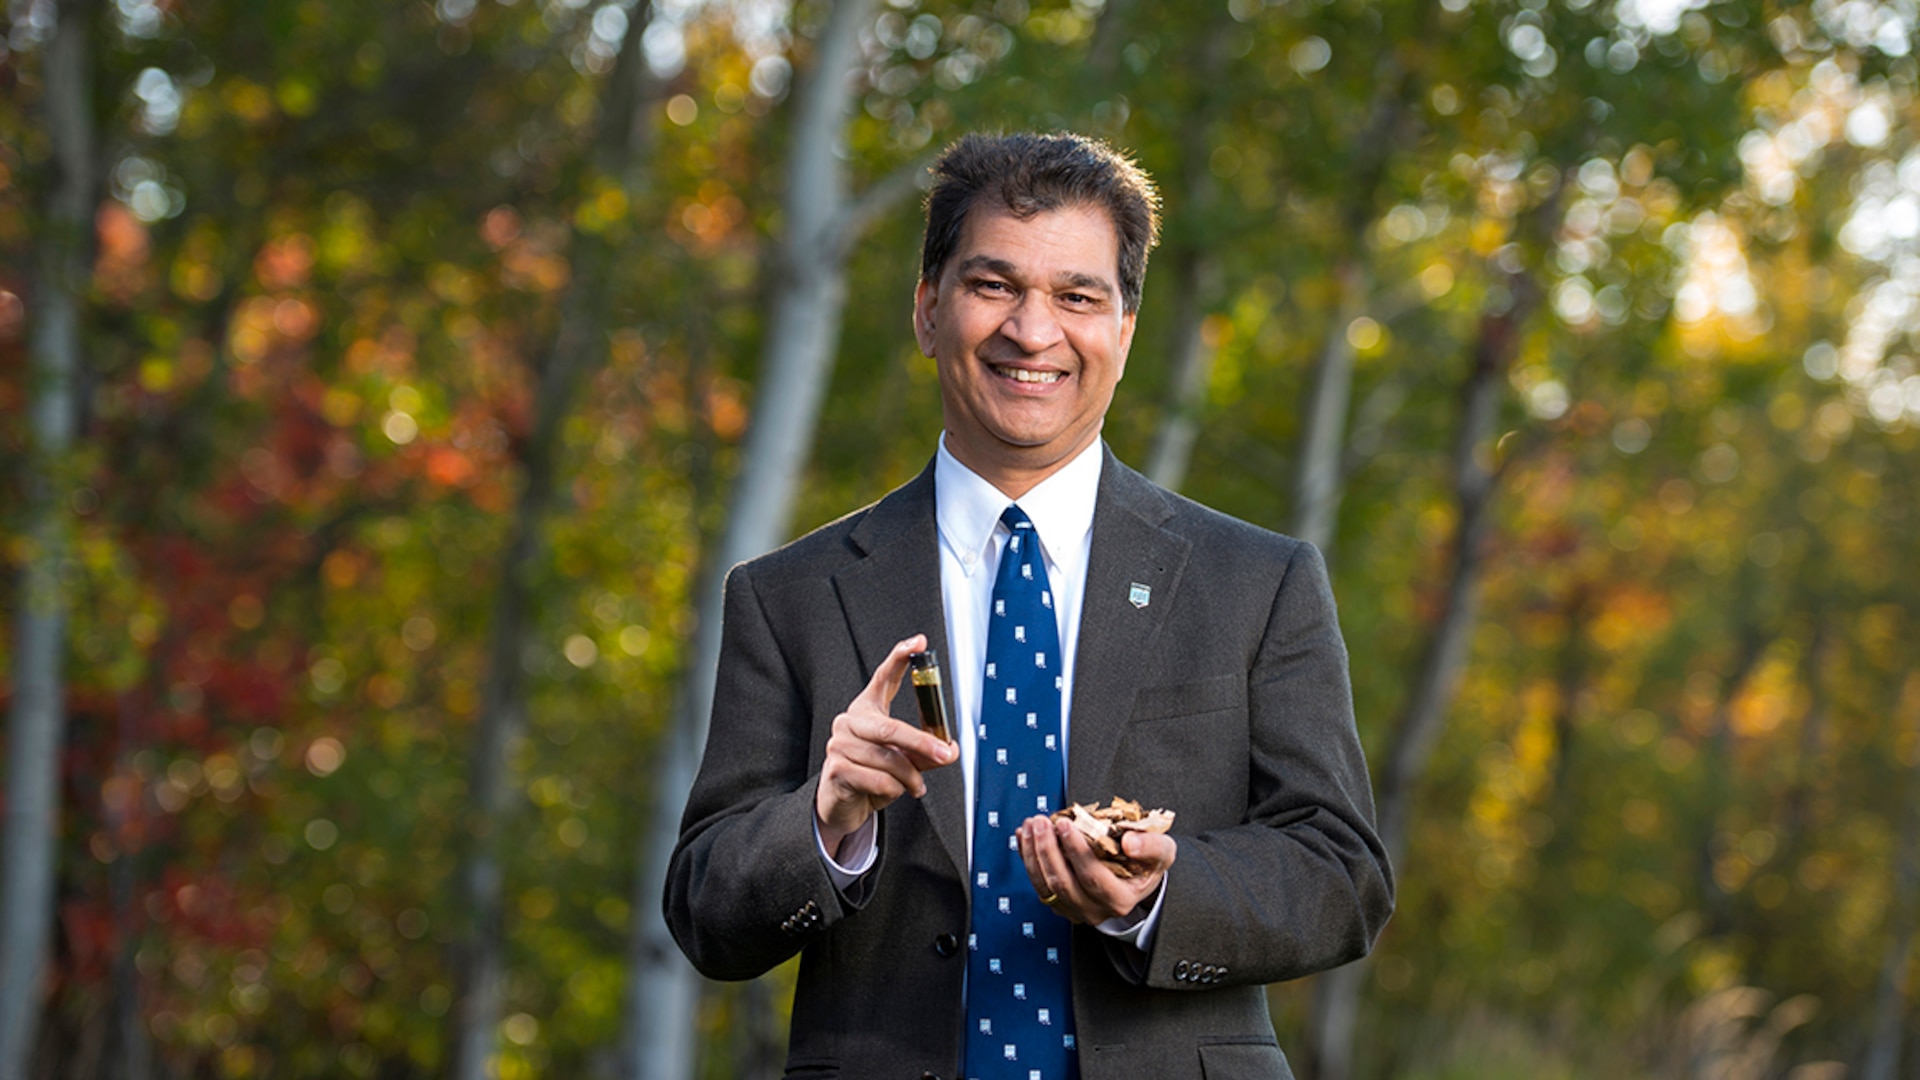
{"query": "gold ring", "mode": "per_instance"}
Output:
(1050, 898)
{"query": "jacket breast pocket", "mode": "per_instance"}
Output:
(1219, 693)
(1186, 749)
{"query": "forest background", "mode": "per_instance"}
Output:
(387, 382)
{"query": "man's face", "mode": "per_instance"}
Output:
(1026, 326)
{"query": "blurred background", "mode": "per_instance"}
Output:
(386, 384)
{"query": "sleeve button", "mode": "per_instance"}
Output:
(946, 945)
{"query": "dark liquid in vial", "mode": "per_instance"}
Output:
(933, 707)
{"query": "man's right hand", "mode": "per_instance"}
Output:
(872, 758)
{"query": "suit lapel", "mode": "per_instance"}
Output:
(894, 593)
(1129, 549)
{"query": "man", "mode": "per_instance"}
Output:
(1156, 651)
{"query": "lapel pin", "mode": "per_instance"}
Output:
(1139, 595)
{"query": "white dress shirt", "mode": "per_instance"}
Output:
(967, 510)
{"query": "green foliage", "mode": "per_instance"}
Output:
(331, 259)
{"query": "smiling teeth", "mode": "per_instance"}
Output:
(1029, 376)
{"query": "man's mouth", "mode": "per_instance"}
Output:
(1028, 375)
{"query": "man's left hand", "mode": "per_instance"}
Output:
(1077, 884)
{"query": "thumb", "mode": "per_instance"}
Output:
(887, 677)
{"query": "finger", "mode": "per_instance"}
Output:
(886, 678)
(1155, 851)
(1077, 855)
(933, 755)
(879, 757)
(1106, 894)
(876, 727)
(854, 783)
(1036, 873)
(1048, 868)
(1150, 853)
(848, 795)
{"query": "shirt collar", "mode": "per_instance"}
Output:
(968, 508)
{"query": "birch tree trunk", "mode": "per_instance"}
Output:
(1189, 353)
(1335, 1010)
(38, 715)
(809, 295)
(1189, 368)
(1319, 479)
(620, 150)
(1892, 995)
(1475, 479)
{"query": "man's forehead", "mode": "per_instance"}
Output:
(996, 238)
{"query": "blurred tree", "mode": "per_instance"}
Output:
(336, 243)
(1885, 1045)
(616, 163)
(820, 224)
(1195, 271)
(38, 710)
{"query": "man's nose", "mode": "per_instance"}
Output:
(1033, 324)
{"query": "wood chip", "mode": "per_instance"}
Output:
(1106, 826)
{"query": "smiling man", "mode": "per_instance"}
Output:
(1102, 638)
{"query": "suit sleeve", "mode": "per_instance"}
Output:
(1303, 884)
(746, 887)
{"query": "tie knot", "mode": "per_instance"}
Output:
(1015, 518)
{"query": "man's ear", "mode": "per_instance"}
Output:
(925, 299)
(1126, 342)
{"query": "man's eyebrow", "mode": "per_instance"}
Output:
(1086, 282)
(986, 262)
(1069, 280)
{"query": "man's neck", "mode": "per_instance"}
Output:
(1015, 478)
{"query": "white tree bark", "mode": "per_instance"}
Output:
(1336, 1005)
(1190, 367)
(502, 716)
(802, 335)
(1189, 355)
(620, 150)
(1319, 483)
(1319, 477)
(1447, 650)
(38, 716)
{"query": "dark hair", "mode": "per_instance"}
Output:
(1030, 174)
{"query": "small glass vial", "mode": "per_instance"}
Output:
(925, 668)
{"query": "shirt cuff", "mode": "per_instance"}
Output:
(859, 849)
(1137, 932)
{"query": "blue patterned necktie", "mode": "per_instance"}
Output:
(1019, 1012)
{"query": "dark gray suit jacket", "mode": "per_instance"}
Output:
(1225, 698)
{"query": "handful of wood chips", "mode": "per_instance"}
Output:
(1105, 826)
